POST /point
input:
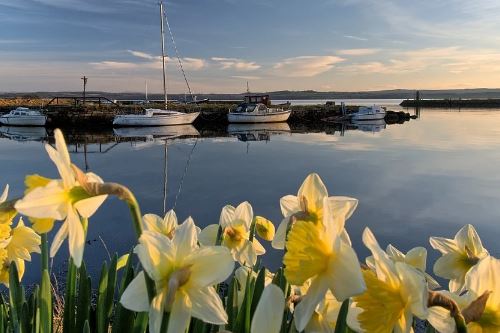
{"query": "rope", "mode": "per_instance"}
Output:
(177, 54)
(184, 174)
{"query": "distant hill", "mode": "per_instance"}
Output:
(290, 95)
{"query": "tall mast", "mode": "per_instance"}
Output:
(163, 54)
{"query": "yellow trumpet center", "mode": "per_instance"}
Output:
(307, 253)
(4, 231)
(234, 236)
(381, 303)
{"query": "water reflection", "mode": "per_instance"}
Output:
(18, 133)
(257, 132)
(426, 177)
(372, 126)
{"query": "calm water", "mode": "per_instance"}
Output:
(425, 177)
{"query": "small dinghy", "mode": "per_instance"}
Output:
(374, 112)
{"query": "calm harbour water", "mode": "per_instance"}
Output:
(428, 176)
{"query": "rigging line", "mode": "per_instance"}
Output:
(185, 172)
(178, 56)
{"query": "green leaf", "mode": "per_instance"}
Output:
(86, 327)
(45, 304)
(124, 318)
(259, 288)
(231, 303)
(141, 322)
(430, 329)
(341, 326)
(16, 297)
(84, 296)
(102, 314)
(70, 299)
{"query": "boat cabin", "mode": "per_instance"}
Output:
(20, 111)
(251, 107)
(264, 99)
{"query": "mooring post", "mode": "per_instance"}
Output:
(84, 78)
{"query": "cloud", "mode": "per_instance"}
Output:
(113, 65)
(306, 66)
(144, 55)
(236, 64)
(355, 37)
(246, 77)
(358, 52)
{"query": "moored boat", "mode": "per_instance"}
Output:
(23, 117)
(257, 113)
(369, 113)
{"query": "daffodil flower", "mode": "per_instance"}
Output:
(316, 251)
(459, 255)
(325, 317)
(184, 276)
(7, 213)
(308, 205)
(4, 195)
(16, 245)
(416, 257)
(396, 292)
(235, 224)
(165, 226)
(63, 199)
(483, 284)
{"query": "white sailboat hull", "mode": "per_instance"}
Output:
(168, 119)
(376, 116)
(272, 117)
(23, 120)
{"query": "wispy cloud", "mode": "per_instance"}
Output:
(355, 37)
(306, 66)
(144, 55)
(246, 77)
(113, 65)
(358, 52)
(236, 64)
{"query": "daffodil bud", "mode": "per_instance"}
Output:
(264, 228)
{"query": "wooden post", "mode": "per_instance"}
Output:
(84, 78)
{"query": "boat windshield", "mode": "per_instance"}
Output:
(245, 108)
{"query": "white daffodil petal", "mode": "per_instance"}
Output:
(49, 201)
(156, 311)
(179, 315)
(314, 190)
(441, 320)
(384, 266)
(226, 216)
(343, 206)
(152, 222)
(278, 241)
(289, 205)
(259, 249)
(186, 238)
(209, 265)
(417, 257)
(59, 238)
(485, 276)
(244, 212)
(154, 251)
(5, 193)
(207, 306)
(269, 312)
(208, 236)
(346, 279)
(87, 207)
(306, 307)
(450, 266)
(443, 245)
(467, 237)
(414, 288)
(135, 296)
(76, 237)
(245, 255)
(394, 253)
(170, 220)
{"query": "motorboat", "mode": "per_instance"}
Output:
(23, 117)
(373, 112)
(158, 117)
(155, 117)
(257, 113)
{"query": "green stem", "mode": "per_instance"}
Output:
(45, 252)
(460, 323)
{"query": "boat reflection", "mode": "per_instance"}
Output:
(257, 132)
(23, 134)
(156, 132)
(372, 126)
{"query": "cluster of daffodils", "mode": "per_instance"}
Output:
(322, 285)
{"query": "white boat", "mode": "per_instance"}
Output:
(157, 117)
(369, 113)
(23, 117)
(257, 113)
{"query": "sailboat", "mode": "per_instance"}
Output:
(157, 117)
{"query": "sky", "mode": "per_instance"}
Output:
(323, 45)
